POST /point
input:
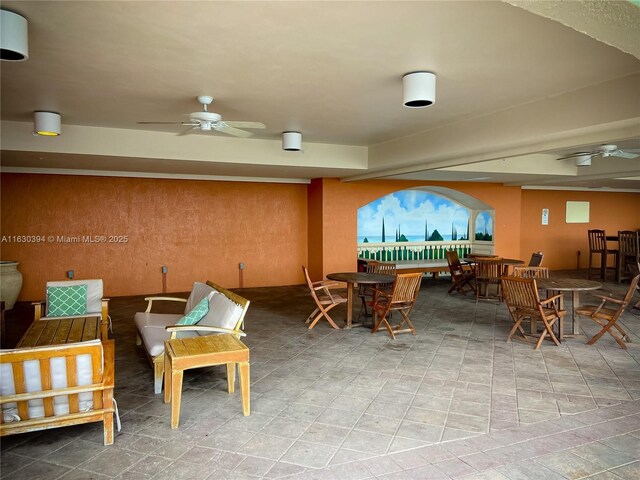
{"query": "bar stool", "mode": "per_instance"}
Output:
(598, 246)
(628, 253)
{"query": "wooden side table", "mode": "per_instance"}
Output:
(205, 351)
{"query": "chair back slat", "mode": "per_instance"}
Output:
(597, 241)
(520, 292)
(406, 287)
(628, 243)
(632, 289)
(386, 268)
(372, 266)
(530, 272)
(489, 268)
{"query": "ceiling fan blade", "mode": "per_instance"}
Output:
(245, 124)
(186, 131)
(223, 127)
(620, 153)
(159, 123)
(578, 155)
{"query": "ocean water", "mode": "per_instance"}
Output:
(392, 238)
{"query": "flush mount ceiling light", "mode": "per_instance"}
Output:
(419, 89)
(292, 141)
(14, 45)
(46, 124)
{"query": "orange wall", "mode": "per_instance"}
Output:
(560, 241)
(202, 230)
(199, 229)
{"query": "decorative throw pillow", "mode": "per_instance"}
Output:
(67, 301)
(195, 315)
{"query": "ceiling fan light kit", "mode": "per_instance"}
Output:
(14, 39)
(292, 141)
(419, 89)
(583, 159)
(46, 124)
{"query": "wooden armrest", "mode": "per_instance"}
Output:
(152, 299)
(551, 299)
(382, 293)
(37, 314)
(325, 284)
(608, 299)
(202, 328)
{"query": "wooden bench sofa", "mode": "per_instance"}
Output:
(226, 315)
(57, 386)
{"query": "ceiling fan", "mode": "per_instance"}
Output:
(584, 158)
(206, 121)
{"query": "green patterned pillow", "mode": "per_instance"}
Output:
(67, 301)
(195, 315)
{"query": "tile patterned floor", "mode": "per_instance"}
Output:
(456, 401)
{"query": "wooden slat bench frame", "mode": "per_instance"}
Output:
(102, 363)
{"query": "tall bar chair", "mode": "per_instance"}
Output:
(628, 253)
(598, 247)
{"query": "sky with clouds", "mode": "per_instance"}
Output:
(408, 209)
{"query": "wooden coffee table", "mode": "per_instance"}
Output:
(180, 354)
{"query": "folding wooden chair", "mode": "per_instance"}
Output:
(536, 259)
(607, 317)
(488, 272)
(530, 272)
(460, 277)
(523, 301)
(401, 298)
(365, 291)
(325, 300)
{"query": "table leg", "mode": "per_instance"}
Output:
(176, 396)
(575, 319)
(349, 304)
(167, 377)
(231, 377)
(244, 387)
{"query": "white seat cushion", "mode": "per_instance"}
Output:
(198, 292)
(153, 338)
(144, 319)
(94, 293)
(223, 312)
(84, 376)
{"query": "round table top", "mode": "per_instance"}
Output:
(360, 277)
(505, 261)
(560, 284)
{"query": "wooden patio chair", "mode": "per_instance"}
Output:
(607, 316)
(324, 299)
(530, 272)
(628, 253)
(401, 298)
(536, 259)
(460, 277)
(523, 301)
(489, 271)
(598, 247)
(635, 271)
(365, 291)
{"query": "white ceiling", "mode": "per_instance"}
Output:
(331, 70)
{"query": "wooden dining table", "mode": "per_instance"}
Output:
(60, 331)
(507, 262)
(573, 285)
(352, 279)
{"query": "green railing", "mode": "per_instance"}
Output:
(399, 251)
